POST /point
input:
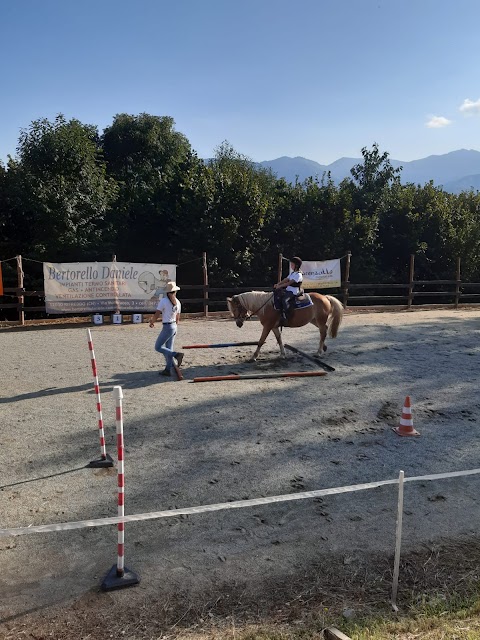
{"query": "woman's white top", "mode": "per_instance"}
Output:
(169, 311)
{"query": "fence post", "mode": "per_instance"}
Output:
(398, 541)
(411, 276)
(458, 283)
(205, 284)
(280, 267)
(21, 297)
(347, 279)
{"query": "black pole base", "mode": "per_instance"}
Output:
(113, 581)
(100, 463)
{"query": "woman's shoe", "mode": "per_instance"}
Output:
(165, 372)
(179, 358)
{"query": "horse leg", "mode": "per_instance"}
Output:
(261, 342)
(278, 336)
(323, 334)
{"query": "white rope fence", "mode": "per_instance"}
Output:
(255, 502)
(223, 506)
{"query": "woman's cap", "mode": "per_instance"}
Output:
(171, 287)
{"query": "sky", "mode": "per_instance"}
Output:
(313, 78)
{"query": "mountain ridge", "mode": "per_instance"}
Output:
(450, 170)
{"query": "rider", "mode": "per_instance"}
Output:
(288, 288)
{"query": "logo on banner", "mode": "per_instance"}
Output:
(87, 287)
(321, 275)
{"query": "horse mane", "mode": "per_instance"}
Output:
(255, 301)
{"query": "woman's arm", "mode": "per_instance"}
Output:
(154, 318)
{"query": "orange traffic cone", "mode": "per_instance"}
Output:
(405, 427)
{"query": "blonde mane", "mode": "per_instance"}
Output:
(255, 301)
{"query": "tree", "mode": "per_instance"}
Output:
(243, 202)
(150, 161)
(58, 190)
(372, 179)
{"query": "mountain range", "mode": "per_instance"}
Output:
(456, 171)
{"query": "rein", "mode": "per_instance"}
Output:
(254, 313)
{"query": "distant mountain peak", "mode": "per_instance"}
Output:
(450, 170)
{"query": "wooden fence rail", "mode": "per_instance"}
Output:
(215, 297)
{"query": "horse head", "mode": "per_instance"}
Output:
(238, 311)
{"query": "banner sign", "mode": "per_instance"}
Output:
(321, 275)
(89, 287)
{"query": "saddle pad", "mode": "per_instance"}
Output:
(306, 302)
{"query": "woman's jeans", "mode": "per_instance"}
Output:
(164, 343)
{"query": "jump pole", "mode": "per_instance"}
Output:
(177, 371)
(220, 345)
(105, 460)
(261, 376)
(119, 576)
(313, 359)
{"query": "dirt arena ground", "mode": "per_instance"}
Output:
(191, 444)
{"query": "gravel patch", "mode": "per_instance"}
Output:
(190, 444)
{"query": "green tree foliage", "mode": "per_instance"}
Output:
(152, 164)
(58, 191)
(141, 192)
(241, 205)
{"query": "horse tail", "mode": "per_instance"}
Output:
(336, 314)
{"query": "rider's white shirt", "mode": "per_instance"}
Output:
(297, 277)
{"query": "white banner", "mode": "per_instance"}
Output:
(321, 275)
(89, 287)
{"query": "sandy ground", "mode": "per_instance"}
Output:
(190, 444)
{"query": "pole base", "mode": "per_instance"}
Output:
(100, 463)
(113, 581)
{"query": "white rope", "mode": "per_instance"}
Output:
(239, 504)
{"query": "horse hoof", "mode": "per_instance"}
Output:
(252, 360)
(324, 347)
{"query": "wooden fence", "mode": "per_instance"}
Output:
(412, 293)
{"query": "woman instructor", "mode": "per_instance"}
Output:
(169, 308)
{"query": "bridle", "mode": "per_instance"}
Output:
(244, 314)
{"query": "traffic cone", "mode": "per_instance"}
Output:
(405, 428)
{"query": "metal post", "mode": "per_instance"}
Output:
(347, 279)
(119, 576)
(118, 394)
(411, 276)
(21, 297)
(398, 541)
(280, 267)
(458, 283)
(105, 460)
(205, 284)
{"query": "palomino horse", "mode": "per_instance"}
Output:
(259, 303)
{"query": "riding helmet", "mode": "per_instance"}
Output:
(296, 261)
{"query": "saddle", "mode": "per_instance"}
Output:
(299, 302)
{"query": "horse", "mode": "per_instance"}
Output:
(259, 303)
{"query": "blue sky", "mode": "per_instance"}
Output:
(314, 78)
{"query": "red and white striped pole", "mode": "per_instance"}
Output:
(105, 460)
(118, 393)
(119, 576)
